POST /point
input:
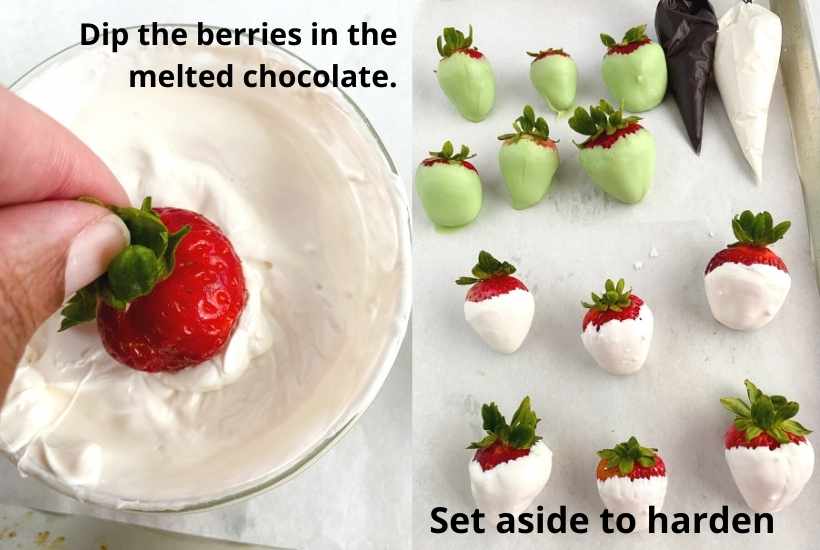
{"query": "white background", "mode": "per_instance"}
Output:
(565, 247)
(358, 495)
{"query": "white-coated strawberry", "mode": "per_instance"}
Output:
(617, 329)
(766, 449)
(747, 283)
(498, 306)
(512, 464)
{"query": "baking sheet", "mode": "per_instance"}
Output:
(565, 247)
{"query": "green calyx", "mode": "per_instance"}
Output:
(599, 120)
(453, 40)
(518, 434)
(773, 415)
(626, 455)
(486, 268)
(615, 297)
(132, 273)
(528, 125)
(635, 34)
(448, 153)
(757, 229)
(550, 51)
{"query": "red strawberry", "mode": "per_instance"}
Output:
(617, 329)
(511, 464)
(747, 283)
(498, 306)
(631, 478)
(766, 449)
(172, 299)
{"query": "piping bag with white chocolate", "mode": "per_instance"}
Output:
(512, 464)
(747, 54)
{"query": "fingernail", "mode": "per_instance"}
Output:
(92, 250)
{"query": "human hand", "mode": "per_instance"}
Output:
(50, 244)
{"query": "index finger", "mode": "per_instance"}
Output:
(42, 160)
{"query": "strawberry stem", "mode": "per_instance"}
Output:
(615, 297)
(773, 415)
(518, 434)
(757, 229)
(626, 455)
(600, 119)
(135, 271)
(528, 125)
(453, 40)
(633, 35)
(447, 153)
(487, 268)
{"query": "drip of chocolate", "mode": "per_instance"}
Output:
(687, 31)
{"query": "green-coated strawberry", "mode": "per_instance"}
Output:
(449, 187)
(465, 75)
(634, 70)
(554, 74)
(528, 159)
(619, 154)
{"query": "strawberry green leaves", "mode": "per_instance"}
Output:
(453, 40)
(518, 434)
(528, 125)
(633, 35)
(599, 120)
(626, 455)
(135, 271)
(615, 297)
(448, 153)
(757, 229)
(773, 415)
(486, 268)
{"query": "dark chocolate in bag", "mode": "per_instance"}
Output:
(687, 31)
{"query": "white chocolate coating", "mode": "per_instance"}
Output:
(621, 347)
(746, 297)
(770, 480)
(504, 321)
(511, 486)
(624, 495)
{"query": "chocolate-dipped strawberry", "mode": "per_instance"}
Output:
(746, 282)
(528, 159)
(554, 74)
(617, 329)
(634, 70)
(631, 478)
(618, 154)
(770, 458)
(511, 464)
(498, 306)
(465, 75)
(449, 187)
(687, 32)
(747, 55)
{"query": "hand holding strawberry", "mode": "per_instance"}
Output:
(528, 159)
(512, 464)
(449, 187)
(631, 478)
(619, 154)
(465, 75)
(498, 306)
(746, 283)
(766, 449)
(172, 299)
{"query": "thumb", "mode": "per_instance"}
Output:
(48, 251)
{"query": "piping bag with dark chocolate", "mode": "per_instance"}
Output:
(687, 32)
